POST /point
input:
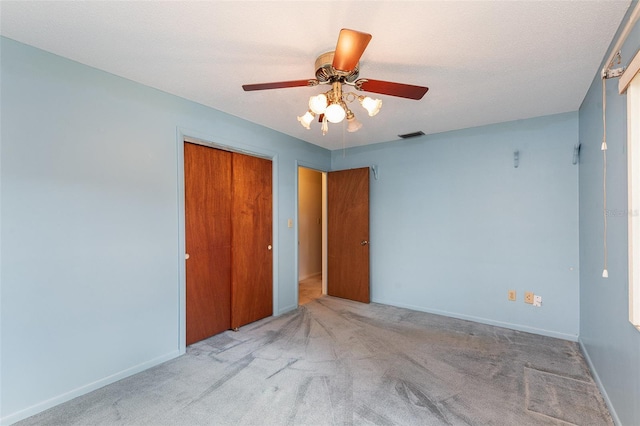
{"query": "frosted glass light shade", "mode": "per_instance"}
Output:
(306, 119)
(371, 105)
(354, 125)
(318, 104)
(335, 113)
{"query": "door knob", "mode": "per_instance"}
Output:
(269, 247)
(364, 242)
(186, 256)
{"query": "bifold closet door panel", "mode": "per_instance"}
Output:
(208, 240)
(251, 236)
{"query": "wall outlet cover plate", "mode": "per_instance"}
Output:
(528, 297)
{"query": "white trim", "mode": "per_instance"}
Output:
(633, 180)
(82, 390)
(325, 235)
(193, 136)
(596, 378)
(319, 169)
(481, 320)
(296, 236)
(629, 73)
(311, 275)
(633, 17)
(182, 250)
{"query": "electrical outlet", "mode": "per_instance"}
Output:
(512, 295)
(537, 301)
(528, 297)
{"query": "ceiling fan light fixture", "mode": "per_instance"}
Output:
(306, 119)
(335, 113)
(337, 68)
(318, 104)
(371, 105)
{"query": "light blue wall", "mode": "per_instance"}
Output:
(91, 268)
(611, 343)
(454, 225)
(91, 238)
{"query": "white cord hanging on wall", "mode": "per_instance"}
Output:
(603, 147)
(608, 72)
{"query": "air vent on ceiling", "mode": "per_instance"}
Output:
(412, 135)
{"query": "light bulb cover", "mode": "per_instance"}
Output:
(335, 113)
(318, 104)
(371, 105)
(354, 125)
(306, 119)
(325, 126)
(605, 273)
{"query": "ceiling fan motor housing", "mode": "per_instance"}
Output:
(326, 73)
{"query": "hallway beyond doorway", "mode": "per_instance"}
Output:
(309, 289)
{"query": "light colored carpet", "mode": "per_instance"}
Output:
(334, 362)
(548, 394)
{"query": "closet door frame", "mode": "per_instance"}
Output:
(182, 136)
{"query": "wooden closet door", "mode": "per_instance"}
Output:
(207, 176)
(251, 236)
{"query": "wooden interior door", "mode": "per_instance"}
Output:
(348, 234)
(207, 176)
(252, 234)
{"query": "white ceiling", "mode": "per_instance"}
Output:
(483, 61)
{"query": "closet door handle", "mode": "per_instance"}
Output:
(269, 247)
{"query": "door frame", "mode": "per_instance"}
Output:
(373, 169)
(296, 221)
(190, 136)
(355, 200)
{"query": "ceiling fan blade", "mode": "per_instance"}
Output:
(350, 47)
(280, 85)
(400, 90)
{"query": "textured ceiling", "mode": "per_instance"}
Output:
(483, 61)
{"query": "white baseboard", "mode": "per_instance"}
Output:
(286, 309)
(596, 378)
(512, 326)
(311, 275)
(67, 396)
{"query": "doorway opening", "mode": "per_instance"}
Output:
(333, 234)
(311, 236)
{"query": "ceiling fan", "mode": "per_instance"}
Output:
(338, 68)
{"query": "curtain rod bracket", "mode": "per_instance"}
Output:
(613, 73)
